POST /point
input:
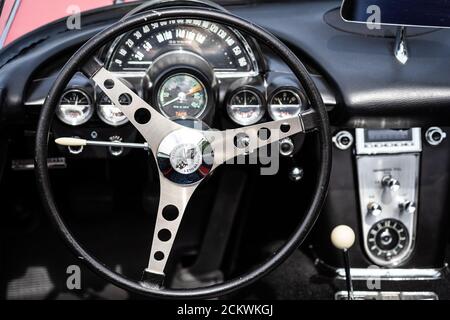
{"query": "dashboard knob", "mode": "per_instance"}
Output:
(374, 209)
(389, 182)
(435, 136)
(409, 207)
(296, 174)
(286, 147)
(343, 140)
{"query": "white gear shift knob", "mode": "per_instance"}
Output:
(343, 237)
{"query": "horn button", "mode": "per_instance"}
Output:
(185, 156)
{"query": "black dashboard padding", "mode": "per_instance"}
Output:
(371, 87)
(23, 58)
(324, 146)
(369, 82)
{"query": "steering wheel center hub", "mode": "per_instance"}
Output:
(185, 156)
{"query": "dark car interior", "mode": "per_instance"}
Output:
(126, 154)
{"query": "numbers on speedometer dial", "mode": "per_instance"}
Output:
(220, 46)
(245, 107)
(183, 96)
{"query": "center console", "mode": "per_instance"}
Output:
(391, 186)
(388, 170)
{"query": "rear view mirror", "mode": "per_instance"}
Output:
(418, 13)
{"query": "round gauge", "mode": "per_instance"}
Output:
(109, 113)
(387, 239)
(182, 96)
(75, 107)
(285, 104)
(245, 107)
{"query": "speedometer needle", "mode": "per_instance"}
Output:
(193, 90)
(171, 101)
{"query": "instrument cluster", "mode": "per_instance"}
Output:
(77, 106)
(247, 106)
(183, 95)
(188, 69)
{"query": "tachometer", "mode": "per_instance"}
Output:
(182, 95)
(224, 49)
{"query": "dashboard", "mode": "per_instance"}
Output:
(187, 69)
(389, 122)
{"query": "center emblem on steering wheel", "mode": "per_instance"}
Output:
(186, 158)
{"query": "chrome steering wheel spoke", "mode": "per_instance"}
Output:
(186, 156)
(173, 201)
(229, 144)
(183, 157)
(147, 120)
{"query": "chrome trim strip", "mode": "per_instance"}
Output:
(28, 164)
(12, 16)
(388, 295)
(393, 274)
(327, 97)
(35, 103)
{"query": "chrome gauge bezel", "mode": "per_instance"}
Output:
(219, 73)
(90, 113)
(183, 73)
(103, 118)
(261, 105)
(296, 92)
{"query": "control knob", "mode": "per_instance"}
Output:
(374, 209)
(389, 182)
(408, 207)
(435, 136)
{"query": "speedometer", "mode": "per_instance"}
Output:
(225, 49)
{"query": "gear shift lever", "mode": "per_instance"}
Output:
(343, 238)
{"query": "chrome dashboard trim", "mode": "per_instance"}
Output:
(325, 91)
(388, 295)
(371, 148)
(219, 74)
(393, 274)
(28, 164)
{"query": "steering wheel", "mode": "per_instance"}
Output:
(171, 143)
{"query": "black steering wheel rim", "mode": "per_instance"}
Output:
(88, 51)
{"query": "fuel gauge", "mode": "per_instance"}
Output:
(286, 103)
(245, 107)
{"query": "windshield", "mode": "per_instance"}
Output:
(18, 17)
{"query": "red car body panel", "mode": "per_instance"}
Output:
(31, 14)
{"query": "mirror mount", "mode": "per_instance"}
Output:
(401, 48)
